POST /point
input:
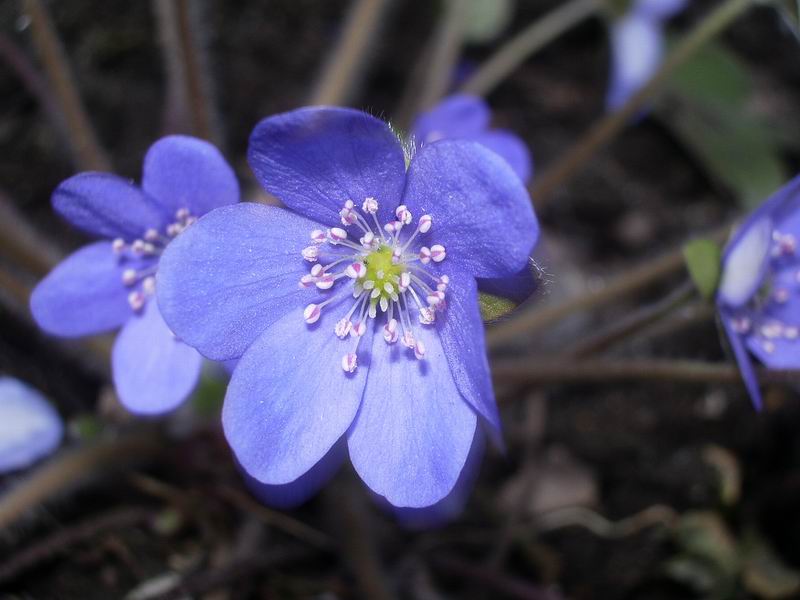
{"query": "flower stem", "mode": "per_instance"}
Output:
(609, 126)
(533, 370)
(90, 155)
(350, 56)
(526, 43)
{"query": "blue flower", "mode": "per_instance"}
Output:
(637, 47)
(759, 293)
(355, 311)
(30, 427)
(111, 283)
(466, 117)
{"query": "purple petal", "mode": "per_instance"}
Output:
(229, 276)
(83, 295)
(742, 359)
(30, 428)
(782, 353)
(461, 333)
(517, 287)
(107, 206)
(658, 9)
(637, 47)
(457, 116)
(745, 263)
(511, 148)
(153, 371)
(413, 433)
(291, 495)
(289, 401)
(481, 211)
(315, 159)
(186, 172)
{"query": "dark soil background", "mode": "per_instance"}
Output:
(612, 491)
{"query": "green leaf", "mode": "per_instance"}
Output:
(707, 105)
(494, 307)
(484, 20)
(703, 261)
(207, 398)
(765, 574)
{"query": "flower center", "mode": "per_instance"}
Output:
(387, 276)
(142, 255)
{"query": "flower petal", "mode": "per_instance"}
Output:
(457, 116)
(481, 211)
(637, 47)
(186, 172)
(462, 338)
(154, 372)
(742, 359)
(517, 287)
(289, 401)
(30, 428)
(413, 433)
(511, 148)
(314, 159)
(224, 280)
(83, 295)
(107, 206)
(658, 9)
(291, 495)
(782, 353)
(745, 263)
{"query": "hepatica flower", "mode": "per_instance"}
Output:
(759, 293)
(30, 428)
(462, 116)
(355, 311)
(637, 47)
(111, 283)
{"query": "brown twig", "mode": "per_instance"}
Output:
(350, 57)
(509, 587)
(87, 150)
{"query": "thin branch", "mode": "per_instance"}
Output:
(350, 57)
(90, 155)
(608, 127)
(527, 42)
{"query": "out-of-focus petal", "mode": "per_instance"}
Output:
(315, 159)
(658, 9)
(413, 433)
(637, 48)
(289, 401)
(224, 280)
(107, 206)
(154, 372)
(481, 211)
(30, 428)
(511, 148)
(457, 116)
(517, 287)
(83, 295)
(182, 172)
(742, 358)
(745, 263)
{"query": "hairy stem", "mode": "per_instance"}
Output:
(527, 42)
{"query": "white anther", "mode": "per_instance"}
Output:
(435, 298)
(390, 332)
(336, 235)
(741, 325)
(384, 304)
(348, 204)
(173, 229)
(369, 284)
(370, 206)
(403, 214)
(372, 311)
(310, 253)
(359, 328)
(316, 270)
(149, 285)
(781, 295)
(349, 362)
(771, 330)
(318, 236)
(375, 293)
(426, 315)
(408, 340)
(419, 350)
(768, 347)
(311, 313)
(388, 287)
(118, 245)
(368, 239)
(444, 281)
(182, 214)
(138, 246)
(356, 270)
(438, 253)
(151, 235)
(325, 282)
(791, 333)
(397, 256)
(348, 216)
(425, 222)
(307, 281)
(424, 255)
(405, 281)
(391, 226)
(129, 276)
(136, 300)
(342, 328)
